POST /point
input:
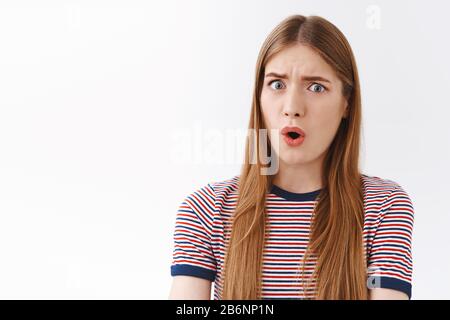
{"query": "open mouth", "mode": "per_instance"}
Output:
(293, 135)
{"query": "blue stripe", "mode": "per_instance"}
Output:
(307, 196)
(392, 283)
(194, 271)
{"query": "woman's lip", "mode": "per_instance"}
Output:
(288, 129)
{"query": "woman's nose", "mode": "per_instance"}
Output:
(293, 105)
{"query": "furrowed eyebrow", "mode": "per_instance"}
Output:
(306, 78)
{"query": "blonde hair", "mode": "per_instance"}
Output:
(336, 238)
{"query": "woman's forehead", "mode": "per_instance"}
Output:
(299, 58)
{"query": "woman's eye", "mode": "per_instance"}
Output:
(317, 87)
(277, 86)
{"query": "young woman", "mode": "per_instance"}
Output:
(317, 228)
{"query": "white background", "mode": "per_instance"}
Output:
(92, 94)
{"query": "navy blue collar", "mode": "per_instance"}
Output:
(292, 196)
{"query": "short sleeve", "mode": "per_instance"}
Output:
(390, 261)
(192, 251)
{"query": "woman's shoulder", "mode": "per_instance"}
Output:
(209, 193)
(227, 186)
(376, 184)
(373, 181)
(385, 193)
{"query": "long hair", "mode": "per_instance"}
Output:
(336, 237)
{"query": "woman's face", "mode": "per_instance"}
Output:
(300, 89)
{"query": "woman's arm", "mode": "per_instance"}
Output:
(190, 288)
(387, 294)
(390, 261)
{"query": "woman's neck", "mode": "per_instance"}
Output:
(299, 178)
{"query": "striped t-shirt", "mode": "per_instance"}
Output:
(203, 226)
